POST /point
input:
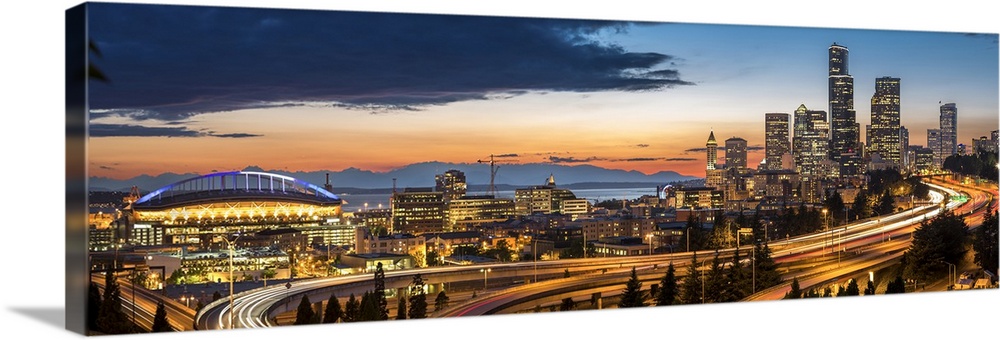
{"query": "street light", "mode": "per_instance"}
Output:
(951, 268)
(232, 251)
(485, 272)
(534, 256)
(650, 238)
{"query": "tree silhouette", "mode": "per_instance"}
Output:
(852, 289)
(332, 313)
(795, 292)
(441, 301)
(352, 309)
(715, 283)
(110, 318)
(667, 295)
(567, 304)
(896, 286)
(632, 295)
(379, 293)
(401, 309)
(870, 289)
(692, 283)
(985, 240)
(304, 314)
(160, 323)
(418, 298)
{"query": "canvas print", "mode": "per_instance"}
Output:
(252, 168)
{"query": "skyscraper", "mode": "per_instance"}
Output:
(810, 142)
(736, 153)
(904, 146)
(934, 143)
(711, 145)
(451, 183)
(884, 138)
(949, 131)
(844, 134)
(775, 139)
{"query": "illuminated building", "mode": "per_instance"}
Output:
(542, 199)
(949, 132)
(776, 186)
(597, 228)
(810, 142)
(923, 158)
(736, 153)
(843, 133)
(904, 147)
(204, 211)
(699, 198)
(934, 143)
(417, 211)
(469, 212)
(711, 157)
(776, 142)
(884, 135)
(451, 183)
(399, 243)
(984, 145)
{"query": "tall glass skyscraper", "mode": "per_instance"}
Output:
(885, 127)
(844, 130)
(949, 131)
(775, 139)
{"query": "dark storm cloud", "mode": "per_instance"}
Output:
(172, 62)
(128, 130)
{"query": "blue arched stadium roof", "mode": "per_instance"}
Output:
(219, 186)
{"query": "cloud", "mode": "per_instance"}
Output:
(507, 155)
(129, 130)
(174, 62)
(236, 135)
(555, 159)
(755, 148)
(680, 159)
(642, 145)
(696, 150)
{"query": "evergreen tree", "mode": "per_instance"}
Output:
(441, 301)
(369, 307)
(332, 313)
(795, 292)
(935, 242)
(886, 205)
(632, 295)
(110, 318)
(870, 289)
(852, 289)
(811, 293)
(692, 283)
(93, 305)
(418, 298)
(401, 309)
(667, 294)
(766, 270)
(985, 240)
(567, 304)
(199, 305)
(160, 323)
(827, 292)
(862, 205)
(896, 286)
(216, 296)
(304, 314)
(379, 294)
(352, 310)
(834, 203)
(737, 279)
(715, 282)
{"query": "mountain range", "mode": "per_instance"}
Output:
(422, 175)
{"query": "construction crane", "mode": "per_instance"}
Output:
(494, 167)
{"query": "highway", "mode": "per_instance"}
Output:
(818, 257)
(179, 316)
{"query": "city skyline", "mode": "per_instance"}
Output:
(688, 80)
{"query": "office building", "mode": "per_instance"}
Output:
(776, 142)
(844, 134)
(451, 183)
(934, 143)
(736, 154)
(885, 128)
(949, 131)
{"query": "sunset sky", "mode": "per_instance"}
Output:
(197, 89)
